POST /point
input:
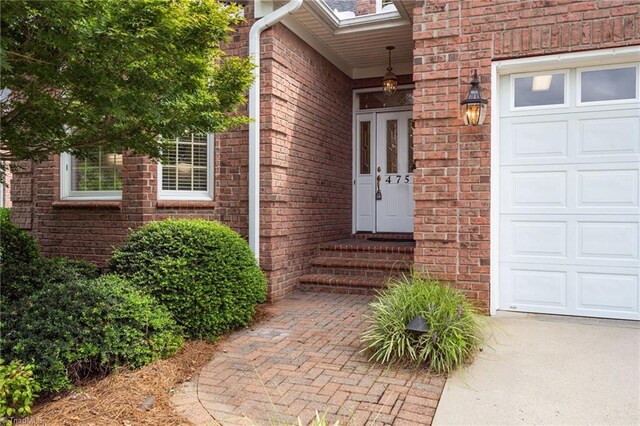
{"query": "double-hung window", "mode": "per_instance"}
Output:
(98, 176)
(186, 169)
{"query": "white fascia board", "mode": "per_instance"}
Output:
(563, 60)
(379, 71)
(317, 44)
(371, 23)
(322, 13)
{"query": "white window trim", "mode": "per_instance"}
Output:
(579, 72)
(67, 194)
(192, 195)
(512, 97)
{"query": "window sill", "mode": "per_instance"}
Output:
(74, 204)
(186, 204)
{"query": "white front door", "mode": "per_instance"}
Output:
(384, 172)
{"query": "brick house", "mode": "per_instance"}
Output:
(536, 209)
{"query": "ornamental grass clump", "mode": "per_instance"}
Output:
(453, 325)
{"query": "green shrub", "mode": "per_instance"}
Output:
(202, 271)
(18, 389)
(19, 260)
(62, 269)
(75, 329)
(453, 325)
(4, 213)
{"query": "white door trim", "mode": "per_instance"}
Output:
(539, 63)
(354, 142)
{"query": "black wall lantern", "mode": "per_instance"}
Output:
(475, 107)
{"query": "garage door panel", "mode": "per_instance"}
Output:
(609, 136)
(610, 292)
(608, 240)
(536, 188)
(571, 138)
(611, 188)
(608, 187)
(539, 239)
(607, 292)
(587, 240)
(534, 289)
(538, 140)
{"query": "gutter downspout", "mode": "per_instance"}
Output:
(254, 115)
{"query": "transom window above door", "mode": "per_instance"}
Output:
(373, 100)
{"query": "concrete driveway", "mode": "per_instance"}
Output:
(542, 369)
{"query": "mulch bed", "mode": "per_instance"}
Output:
(140, 397)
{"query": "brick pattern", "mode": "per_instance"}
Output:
(452, 179)
(306, 151)
(307, 358)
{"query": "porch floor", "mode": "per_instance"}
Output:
(305, 358)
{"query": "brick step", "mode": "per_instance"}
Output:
(384, 236)
(331, 279)
(387, 265)
(364, 249)
(341, 284)
(353, 272)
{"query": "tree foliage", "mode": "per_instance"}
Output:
(82, 74)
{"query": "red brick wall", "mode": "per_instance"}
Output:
(306, 151)
(452, 181)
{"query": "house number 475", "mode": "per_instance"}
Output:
(397, 179)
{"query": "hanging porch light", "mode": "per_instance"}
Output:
(390, 81)
(475, 107)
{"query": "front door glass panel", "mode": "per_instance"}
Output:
(392, 146)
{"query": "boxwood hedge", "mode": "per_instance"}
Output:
(201, 270)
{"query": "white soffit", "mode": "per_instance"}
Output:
(357, 46)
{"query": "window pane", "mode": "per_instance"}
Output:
(169, 178)
(608, 85)
(392, 146)
(200, 179)
(365, 147)
(380, 100)
(185, 164)
(539, 90)
(410, 144)
(97, 172)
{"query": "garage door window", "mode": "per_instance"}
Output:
(539, 90)
(608, 84)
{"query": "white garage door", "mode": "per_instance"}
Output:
(569, 190)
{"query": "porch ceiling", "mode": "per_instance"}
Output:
(354, 46)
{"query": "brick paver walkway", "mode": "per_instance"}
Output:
(306, 357)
